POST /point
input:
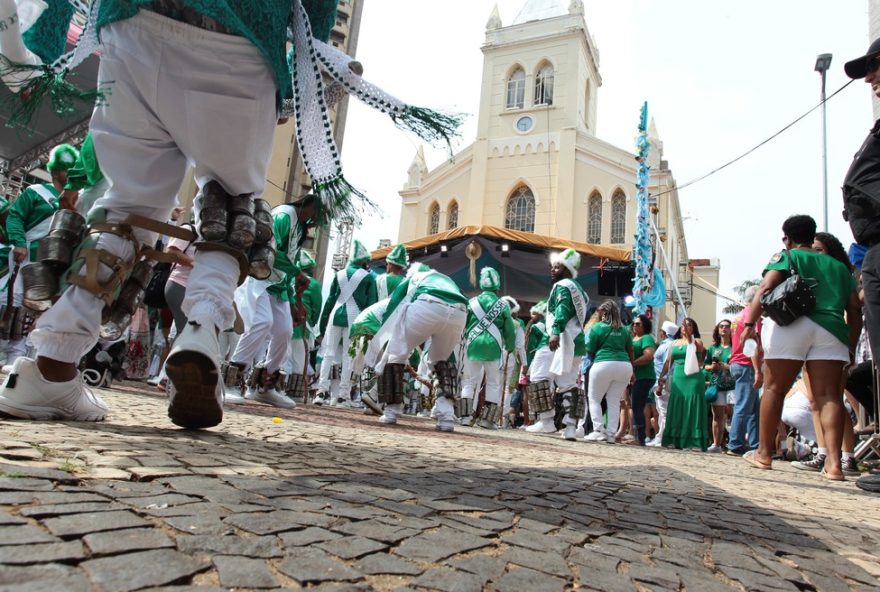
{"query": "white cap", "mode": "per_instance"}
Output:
(669, 328)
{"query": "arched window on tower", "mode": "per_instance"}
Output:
(516, 89)
(594, 219)
(618, 218)
(452, 216)
(544, 85)
(520, 211)
(434, 219)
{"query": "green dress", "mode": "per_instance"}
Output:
(687, 414)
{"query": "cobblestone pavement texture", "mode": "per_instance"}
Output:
(332, 500)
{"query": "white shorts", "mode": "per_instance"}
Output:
(724, 398)
(803, 340)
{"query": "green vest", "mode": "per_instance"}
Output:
(364, 295)
(561, 306)
(28, 211)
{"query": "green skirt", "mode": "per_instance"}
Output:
(687, 413)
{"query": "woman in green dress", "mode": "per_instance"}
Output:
(687, 415)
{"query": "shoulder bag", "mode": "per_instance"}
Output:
(791, 299)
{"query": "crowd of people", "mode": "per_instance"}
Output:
(245, 323)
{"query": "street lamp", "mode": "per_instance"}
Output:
(823, 62)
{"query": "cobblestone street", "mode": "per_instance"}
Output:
(331, 499)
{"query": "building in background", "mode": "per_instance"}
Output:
(537, 165)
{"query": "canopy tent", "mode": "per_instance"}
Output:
(21, 148)
(524, 266)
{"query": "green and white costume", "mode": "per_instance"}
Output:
(488, 335)
(387, 282)
(353, 290)
(311, 301)
(264, 305)
(426, 305)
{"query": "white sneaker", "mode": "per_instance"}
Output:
(340, 402)
(649, 441)
(628, 438)
(467, 420)
(193, 367)
(714, 448)
(269, 397)
(388, 418)
(391, 413)
(596, 436)
(542, 426)
(232, 396)
(445, 425)
(655, 443)
(570, 433)
(321, 399)
(487, 425)
(27, 395)
(579, 433)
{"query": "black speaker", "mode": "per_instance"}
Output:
(616, 281)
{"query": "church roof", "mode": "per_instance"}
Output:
(535, 10)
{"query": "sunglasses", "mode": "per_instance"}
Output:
(724, 326)
(637, 323)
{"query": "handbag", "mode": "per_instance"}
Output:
(154, 293)
(691, 364)
(791, 299)
(726, 381)
(711, 393)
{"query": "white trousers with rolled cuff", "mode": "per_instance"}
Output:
(178, 96)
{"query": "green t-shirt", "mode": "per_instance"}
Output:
(833, 285)
(724, 352)
(640, 344)
(608, 345)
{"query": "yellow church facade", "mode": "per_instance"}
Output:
(536, 164)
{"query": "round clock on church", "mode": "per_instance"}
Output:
(524, 123)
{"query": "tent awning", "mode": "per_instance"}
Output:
(524, 267)
(514, 237)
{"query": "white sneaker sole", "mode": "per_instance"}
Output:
(38, 413)
(194, 404)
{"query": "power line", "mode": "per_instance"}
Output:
(749, 151)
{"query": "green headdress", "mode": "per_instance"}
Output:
(305, 261)
(359, 253)
(61, 158)
(398, 256)
(489, 279)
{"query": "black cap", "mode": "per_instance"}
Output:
(858, 68)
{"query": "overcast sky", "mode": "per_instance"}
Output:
(718, 78)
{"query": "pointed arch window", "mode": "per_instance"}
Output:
(544, 85)
(594, 219)
(434, 219)
(452, 216)
(618, 218)
(520, 211)
(516, 89)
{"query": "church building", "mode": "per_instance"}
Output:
(537, 166)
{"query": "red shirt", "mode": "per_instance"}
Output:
(737, 357)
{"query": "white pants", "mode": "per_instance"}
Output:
(540, 370)
(661, 399)
(608, 380)
(338, 337)
(228, 342)
(473, 372)
(427, 318)
(798, 413)
(178, 95)
(271, 319)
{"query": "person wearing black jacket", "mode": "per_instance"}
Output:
(861, 196)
